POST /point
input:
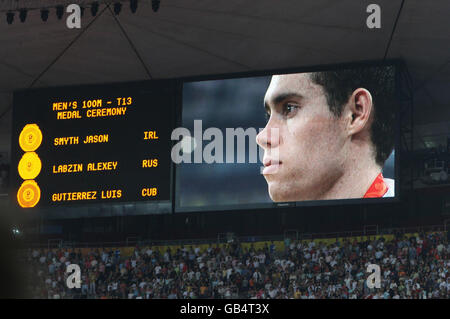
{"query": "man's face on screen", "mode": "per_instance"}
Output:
(304, 143)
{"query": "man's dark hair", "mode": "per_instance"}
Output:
(380, 82)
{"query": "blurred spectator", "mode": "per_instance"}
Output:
(413, 267)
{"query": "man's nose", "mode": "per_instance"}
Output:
(268, 137)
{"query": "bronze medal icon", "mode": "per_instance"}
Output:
(29, 194)
(29, 165)
(30, 138)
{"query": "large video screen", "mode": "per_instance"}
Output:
(101, 144)
(297, 138)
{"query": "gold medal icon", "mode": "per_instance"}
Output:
(30, 138)
(29, 194)
(29, 165)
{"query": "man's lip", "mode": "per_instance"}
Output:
(272, 168)
(268, 162)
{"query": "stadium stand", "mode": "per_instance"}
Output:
(413, 266)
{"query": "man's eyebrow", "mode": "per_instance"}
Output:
(281, 97)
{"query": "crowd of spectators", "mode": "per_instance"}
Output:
(412, 267)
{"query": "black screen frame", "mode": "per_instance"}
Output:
(398, 65)
(177, 122)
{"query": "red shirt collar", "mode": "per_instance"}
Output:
(377, 189)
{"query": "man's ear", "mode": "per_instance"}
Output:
(359, 109)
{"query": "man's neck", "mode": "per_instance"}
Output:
(359, 173)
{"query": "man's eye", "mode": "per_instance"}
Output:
(288, 109)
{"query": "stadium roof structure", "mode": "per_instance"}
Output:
(192, 37)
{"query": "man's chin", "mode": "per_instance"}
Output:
(278, 195)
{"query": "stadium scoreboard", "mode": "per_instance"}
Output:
(102, 143)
